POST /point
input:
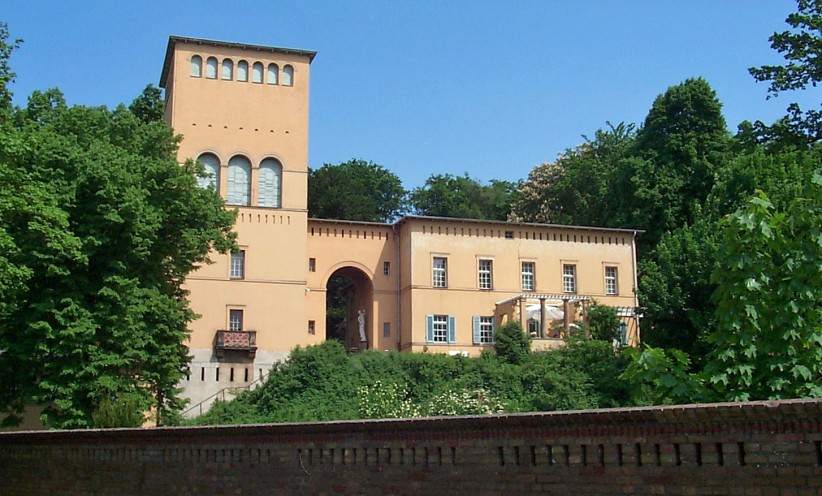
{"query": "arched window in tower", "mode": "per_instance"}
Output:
(242, 70)
(211, 68)
(211, 164)
(273, 74)
(196, 66)
(270, 183)
(257, 73)
(239, 181)
(228, 69)
(288, 76)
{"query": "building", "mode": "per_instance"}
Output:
(419, 284)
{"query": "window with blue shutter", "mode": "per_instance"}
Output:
(452, 329)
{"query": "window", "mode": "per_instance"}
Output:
(486, 279)
(509, 234)
(273, 74)
(257, 73)
(483, 330)
(211, 171)
(242, 70)
(623, 334)
(386, 329)
(228, 69)
(611, 287)
(211, 68)
(268, 183)
(569, 278)
(312, 265)
(312, 327)
(239, 185)
(528, 276)
(196, 66)
(386, 268)
(235, 320)
(288, 76)
(441, 329)
(237, 270)
(440, 272)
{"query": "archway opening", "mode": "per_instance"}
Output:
(348, 308)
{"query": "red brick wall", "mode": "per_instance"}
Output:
(757, 448)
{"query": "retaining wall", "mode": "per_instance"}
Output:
(756, 448)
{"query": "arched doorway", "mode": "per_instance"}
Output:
(348, 308)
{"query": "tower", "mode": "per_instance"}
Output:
(242, 111)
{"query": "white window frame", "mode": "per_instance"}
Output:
(440, 329)
(485, 275)
(236, 324)
(486, 328)
(611, 281)
(529, 279)
(439, 275)
(237, 264)
(569, 278)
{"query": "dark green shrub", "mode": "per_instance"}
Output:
(124, 410)
(511, 343)
(603, 322)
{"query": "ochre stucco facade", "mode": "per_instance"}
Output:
(254, 313)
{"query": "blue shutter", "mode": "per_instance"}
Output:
(452, 330)
(494, 329)
(475, 327)
(429, 328)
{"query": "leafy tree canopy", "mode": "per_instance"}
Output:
(446, 195)
(99, 226)
(355, 190)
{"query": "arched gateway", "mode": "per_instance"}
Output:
(348, 302)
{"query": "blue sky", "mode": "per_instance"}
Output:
(488, 88)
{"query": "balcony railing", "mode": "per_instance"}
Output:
(242, 341)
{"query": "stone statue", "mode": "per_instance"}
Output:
(361, 322)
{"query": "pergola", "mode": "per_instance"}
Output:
(567, 301)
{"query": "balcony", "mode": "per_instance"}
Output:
(239, 341)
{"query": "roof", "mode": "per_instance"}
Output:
(172, 40)
(409, 218)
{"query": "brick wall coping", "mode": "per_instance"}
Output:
(795, 415)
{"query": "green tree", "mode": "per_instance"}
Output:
(355, 190)
(446, 195)
(801, 46)
(582, 187)
(768, 339)
(603, 322)
(511, 343)
(149, 106)
(6, 74)
(102, 225)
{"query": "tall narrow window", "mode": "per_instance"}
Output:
(235, 320)
(486, 274)
(196, 66)
(238, 264)
(273, 74)
(312, 265)
(386, 329)
(239, 184)
(228, 69)
(211, 171)
(528, 276)
(439, 274)
(242, 70)
(270, 178)
(611, 287)
(257, 73)
(312, 327)
(288, 75)
(569, 278)
(386, 268)
(211, 68)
